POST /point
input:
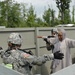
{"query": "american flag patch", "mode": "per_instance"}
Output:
(25, 55)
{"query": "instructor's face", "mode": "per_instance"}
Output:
(60, 36)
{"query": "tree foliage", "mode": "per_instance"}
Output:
(49, 17)
(13, 14)
(73, 14)
(31, 17)
(63, 6)
(10, 13)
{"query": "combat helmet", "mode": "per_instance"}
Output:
(54, 30)
(15, 38)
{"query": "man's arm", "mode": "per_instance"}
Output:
(49, 39)
(42, 59)
(70, 43)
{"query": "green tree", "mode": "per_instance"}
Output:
(73, 15)
(31, 17)
(14, 16)
(23, 14)
(63, 5)
(56, 22)
(67, 17)
(52, 18)
(3, 17)
(39, 22)
(9, 13)
(49, 17)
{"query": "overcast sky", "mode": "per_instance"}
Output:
(41, 5)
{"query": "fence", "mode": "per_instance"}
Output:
(37, 46)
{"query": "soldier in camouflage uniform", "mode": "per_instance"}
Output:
(20, 60)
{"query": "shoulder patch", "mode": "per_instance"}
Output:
(25, 55)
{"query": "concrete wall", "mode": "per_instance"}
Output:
(37, 46)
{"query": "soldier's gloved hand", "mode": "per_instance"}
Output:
(58, 55)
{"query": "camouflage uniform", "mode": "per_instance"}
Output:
(20, 60)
